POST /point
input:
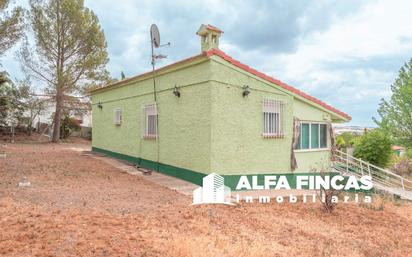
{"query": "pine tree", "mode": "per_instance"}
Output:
(396, 114)
(11, 28)
(70, 53)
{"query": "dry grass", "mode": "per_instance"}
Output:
(80, 206)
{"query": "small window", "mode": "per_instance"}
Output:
(273, 118)
(117, 119)
(150, 121)
(313, 136)
(214, 39)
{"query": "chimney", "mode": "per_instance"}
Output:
(209, 37)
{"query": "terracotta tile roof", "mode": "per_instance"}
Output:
(237, 64)
(125, 81)
(276, 81)
(214, 28)
(396, 148)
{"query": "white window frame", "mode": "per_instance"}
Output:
(149, 131)
(273, 106)
(117, 116)
(310, 149)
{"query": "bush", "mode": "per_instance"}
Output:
(346, 140)
(374, 147)
(340, 142)
(403, 166)
(68, 125)
(408, 153)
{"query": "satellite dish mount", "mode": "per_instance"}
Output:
(155, 43)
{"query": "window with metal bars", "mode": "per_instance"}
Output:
(273, 114)
(117, 116)
(149, 121)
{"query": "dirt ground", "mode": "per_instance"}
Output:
(80, 206)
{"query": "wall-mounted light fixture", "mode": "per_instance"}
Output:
(176, 91)
(99, 104)
(246, 91)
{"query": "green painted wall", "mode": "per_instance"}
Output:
(210, 128)
(237, 124)
(305, 112)
(315, 159)
(184, 123)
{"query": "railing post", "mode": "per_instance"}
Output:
(347, 163)
(369, 169)
(361, 166)
(403, 186)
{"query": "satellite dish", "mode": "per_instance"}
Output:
(155, 35)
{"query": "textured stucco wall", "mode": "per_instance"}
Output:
(237, 124)
(305, 112)
(313, 160)
(184, 123)
(211, 127)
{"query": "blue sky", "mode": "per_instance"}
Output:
(346, 53)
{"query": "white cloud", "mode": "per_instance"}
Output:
(346, 53)
(377, 31)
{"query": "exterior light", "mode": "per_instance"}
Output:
(100, 105)
(176, 91)
(246, 91)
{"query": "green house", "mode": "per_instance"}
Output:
(212, 114)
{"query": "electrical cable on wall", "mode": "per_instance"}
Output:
(155, 43)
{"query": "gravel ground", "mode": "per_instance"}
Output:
(81, 206)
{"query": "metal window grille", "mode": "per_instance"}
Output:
(149, 121)
(117, 117)
(273, 118)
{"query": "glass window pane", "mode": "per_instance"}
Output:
(323, 136)
(304, 136)
(314, 136)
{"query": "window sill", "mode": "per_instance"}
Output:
(149, 137)
(272, 136)
(311, 150)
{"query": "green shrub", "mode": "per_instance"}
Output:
(68, 125)
(345, 140)
(340, 142)
(408, 153)
(374, 147)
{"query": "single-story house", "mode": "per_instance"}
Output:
(398, 150)
(212, 113)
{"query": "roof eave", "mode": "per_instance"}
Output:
(146, 74)
(294, 91)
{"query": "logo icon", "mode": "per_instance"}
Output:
(213, 191)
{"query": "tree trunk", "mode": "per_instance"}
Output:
(29, 129)
(57, 120)
(30, 125)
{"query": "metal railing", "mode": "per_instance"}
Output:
(382, 178)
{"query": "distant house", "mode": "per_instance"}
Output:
(398, 150)
(212, 114)
(81, 112)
